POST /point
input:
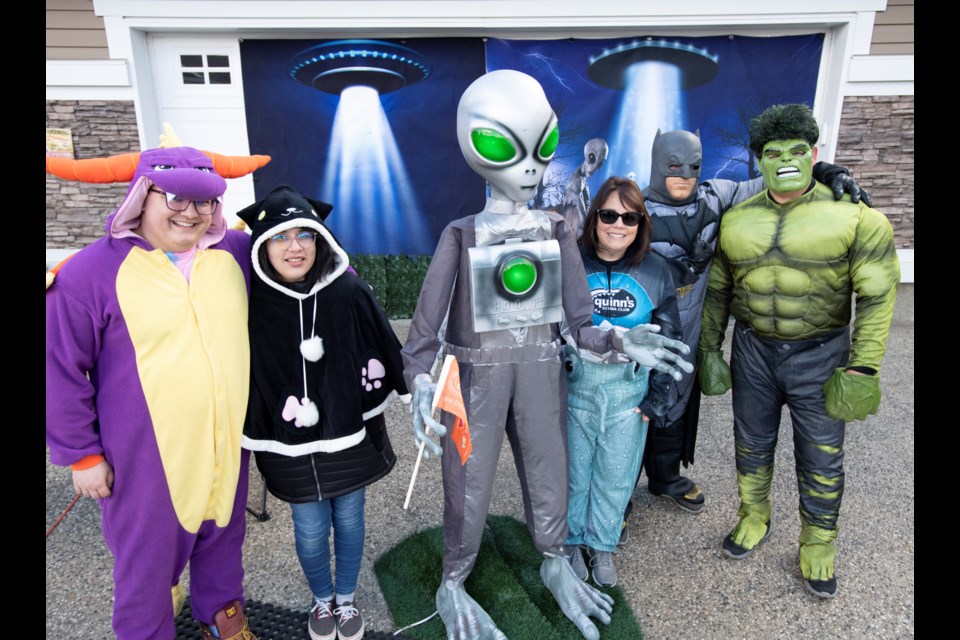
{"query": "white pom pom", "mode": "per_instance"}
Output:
(312, 349)
(307, 413)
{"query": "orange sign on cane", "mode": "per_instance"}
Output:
(449, 398)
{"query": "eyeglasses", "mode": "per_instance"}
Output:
(284, 240)
(609, 216)
(176, 203)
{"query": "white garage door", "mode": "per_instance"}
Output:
(199, 91)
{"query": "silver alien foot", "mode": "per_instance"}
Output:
(577, 599)
(463, 617)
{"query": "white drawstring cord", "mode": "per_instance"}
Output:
(410, 626)
(302, 363)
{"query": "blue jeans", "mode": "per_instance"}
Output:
(311, 531)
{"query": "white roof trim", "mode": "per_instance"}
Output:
(476, 15)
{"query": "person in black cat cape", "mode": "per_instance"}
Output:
(324, 364)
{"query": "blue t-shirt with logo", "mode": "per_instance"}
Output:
(620, 299)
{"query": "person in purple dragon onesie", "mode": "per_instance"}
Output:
(147, 382)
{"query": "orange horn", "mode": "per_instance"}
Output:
(119, 168)
(235, 166)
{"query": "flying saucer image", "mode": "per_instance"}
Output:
(363, 168)
(697, 66)
(333, 66)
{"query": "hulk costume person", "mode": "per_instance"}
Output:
(686, 213)
(788, 264)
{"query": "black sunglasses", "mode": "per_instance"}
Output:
(609, 216)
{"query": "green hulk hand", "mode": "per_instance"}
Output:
(714, 373)
(851, 396)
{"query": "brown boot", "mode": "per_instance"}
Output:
(231, 623)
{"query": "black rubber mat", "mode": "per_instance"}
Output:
(267, 622)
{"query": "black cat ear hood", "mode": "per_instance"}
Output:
(286, 208)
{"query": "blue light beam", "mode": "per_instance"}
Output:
(652, 99)
(375, 209)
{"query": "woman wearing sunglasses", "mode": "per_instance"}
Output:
(609, 396)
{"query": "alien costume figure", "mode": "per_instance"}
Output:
(686, 217)
(789, 262)
(510, 368)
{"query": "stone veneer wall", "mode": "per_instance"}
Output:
(76, 212)
(876, 144)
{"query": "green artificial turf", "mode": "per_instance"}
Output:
(505, 581)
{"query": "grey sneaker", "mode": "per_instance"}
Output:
(322, 624)
(604, 571)
(575, 558)
(349, 622)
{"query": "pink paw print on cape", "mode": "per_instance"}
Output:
(290, 410)
(372, 375)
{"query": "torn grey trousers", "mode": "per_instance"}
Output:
(517, 391)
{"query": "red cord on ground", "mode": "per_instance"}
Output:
(65, 512)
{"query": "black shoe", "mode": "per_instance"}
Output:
(624, 532)
(692, 501)
(732, 550)
(821, 588)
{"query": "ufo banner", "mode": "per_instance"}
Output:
(370, 124)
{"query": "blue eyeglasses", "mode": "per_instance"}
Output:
(284, 240)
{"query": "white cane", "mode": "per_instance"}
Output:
(441, 381)
(416, 469)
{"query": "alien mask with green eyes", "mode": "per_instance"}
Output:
(508, 133)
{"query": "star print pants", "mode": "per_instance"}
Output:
(605, 437)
